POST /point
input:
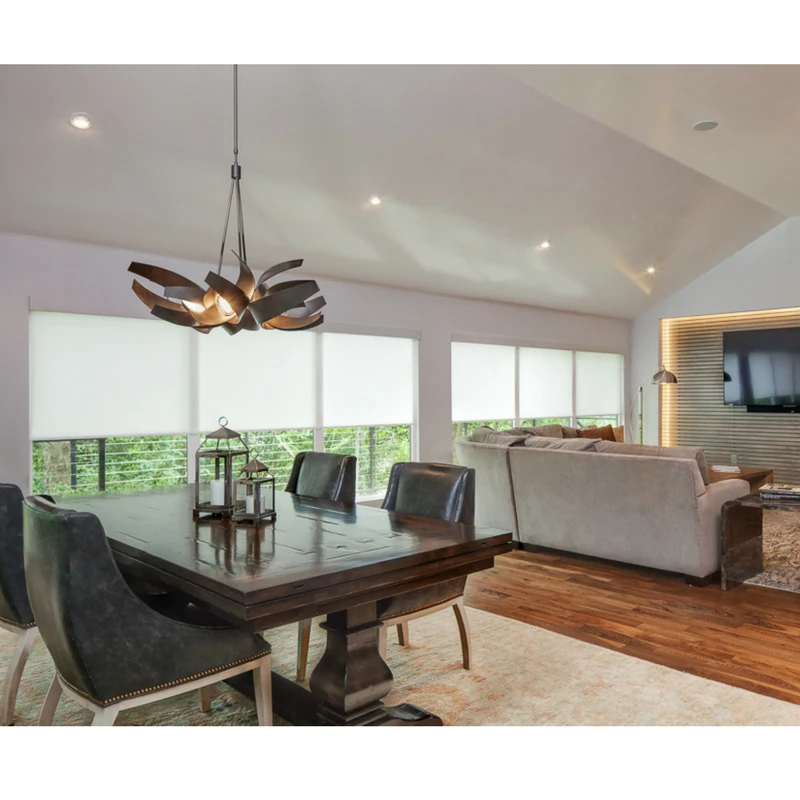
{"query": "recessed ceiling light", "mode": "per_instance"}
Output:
(545, 244)
(376, 200)
(705, 125)
(80, 121)
(651, 270)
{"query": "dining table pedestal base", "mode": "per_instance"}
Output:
(352, 679)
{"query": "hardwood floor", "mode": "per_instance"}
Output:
(747, 637)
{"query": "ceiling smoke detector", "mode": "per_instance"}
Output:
(705, 125)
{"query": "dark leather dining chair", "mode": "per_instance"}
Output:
(111, 650)
(438, 491)
(323, 476)
(16, 615)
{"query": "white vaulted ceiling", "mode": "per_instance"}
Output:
(477, 165)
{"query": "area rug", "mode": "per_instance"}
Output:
(522, 675)
(781, 542)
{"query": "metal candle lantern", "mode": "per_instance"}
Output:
(255, 494)
(214, 496)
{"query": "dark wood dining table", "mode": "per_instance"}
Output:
(316, 558)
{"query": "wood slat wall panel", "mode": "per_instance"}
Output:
(692, 412)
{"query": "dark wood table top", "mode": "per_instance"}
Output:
(315, 558)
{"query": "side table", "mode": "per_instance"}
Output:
(742, 545)
(755, 476)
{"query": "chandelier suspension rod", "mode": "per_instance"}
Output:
(236, 174)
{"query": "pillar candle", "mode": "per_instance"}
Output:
(217, 493)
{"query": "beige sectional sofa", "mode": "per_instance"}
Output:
(630, 503)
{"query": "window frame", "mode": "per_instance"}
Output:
(573, 416)
(194, 435)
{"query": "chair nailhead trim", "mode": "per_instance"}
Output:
(152, 689)
(18, 624)
(422, 608)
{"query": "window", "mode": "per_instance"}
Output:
(598, 385)
(532, 423)
(465, 428)
(285, 392)
(483, 382)
(86, 466)
(107, 376)
(376, 448)
(511, 386)
(280, 447)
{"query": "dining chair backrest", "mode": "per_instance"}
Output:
(324, 476)
(439, 491)
(14, 605)
(73, 583)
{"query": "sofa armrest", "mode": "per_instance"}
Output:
(709, 520)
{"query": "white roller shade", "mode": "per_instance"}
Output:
(259, 380)
(482, 382)
(598, 384)
(93, 376)
(367, 380)
(545, 383)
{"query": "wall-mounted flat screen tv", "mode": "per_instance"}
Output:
(762, 367)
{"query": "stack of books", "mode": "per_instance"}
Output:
(780, 491)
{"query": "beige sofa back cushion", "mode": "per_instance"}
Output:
(494, 501)
(627, 449)
(551, 431)
(486, 435)
(578, 445)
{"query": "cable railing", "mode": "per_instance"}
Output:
(89, 466)
(120, 464)
(377, 448)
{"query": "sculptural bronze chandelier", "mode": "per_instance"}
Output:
(248, 304)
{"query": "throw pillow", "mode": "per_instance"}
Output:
(569, 433)
(546, 443)
(629, 449)
(619, 433)
(486, 435)
(606, 432)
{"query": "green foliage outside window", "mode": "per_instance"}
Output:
(376, 449)
(66, 468)
(597, 422)
(89, 466)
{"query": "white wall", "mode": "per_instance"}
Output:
(59, 276)
(763, 275)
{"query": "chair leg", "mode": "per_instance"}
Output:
(105, 716)
(303, 639)
(463, 628)
(262, 685)
(206, 693)
(50, 703)
(382, 641)
(402, 634)
(14, 675)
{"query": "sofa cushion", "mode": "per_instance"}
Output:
(569, 433)
(628, 449)
(486, 435)
(551, 431)
(605, 432)
(546, 443)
